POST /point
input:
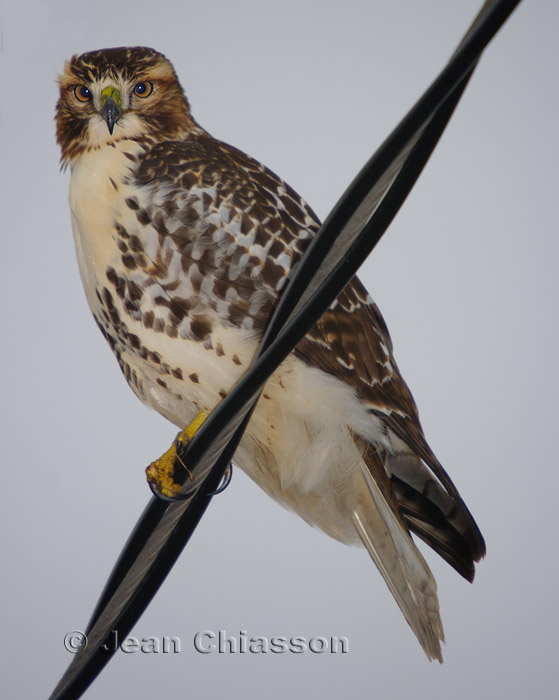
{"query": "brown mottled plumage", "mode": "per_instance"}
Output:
(184, 244)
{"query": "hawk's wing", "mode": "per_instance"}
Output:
(351, 341)
(237, 227)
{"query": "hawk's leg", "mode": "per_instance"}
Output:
(161, 472)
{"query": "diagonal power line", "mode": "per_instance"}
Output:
(348, 235)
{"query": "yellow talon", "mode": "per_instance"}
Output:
(162, 471)
(193, 427)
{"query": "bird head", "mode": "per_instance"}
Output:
(111, 94)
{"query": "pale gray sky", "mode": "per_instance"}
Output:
(466, 278)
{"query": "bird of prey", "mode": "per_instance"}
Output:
(184, 245)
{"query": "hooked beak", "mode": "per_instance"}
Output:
(110, 107)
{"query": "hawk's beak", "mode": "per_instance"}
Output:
(110, 107)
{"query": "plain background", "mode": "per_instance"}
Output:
(466, 278)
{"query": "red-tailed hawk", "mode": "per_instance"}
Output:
(184, 244)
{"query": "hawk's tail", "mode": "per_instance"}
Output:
(434, 512)
(401, 564)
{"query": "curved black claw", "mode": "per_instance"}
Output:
(170, 499)
(225, 481)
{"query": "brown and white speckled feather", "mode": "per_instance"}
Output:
(184, 244)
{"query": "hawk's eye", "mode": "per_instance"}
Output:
(143, 89)
(83, 93)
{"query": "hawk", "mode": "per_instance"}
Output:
(184, 244)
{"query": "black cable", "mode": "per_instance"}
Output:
(165, 528)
